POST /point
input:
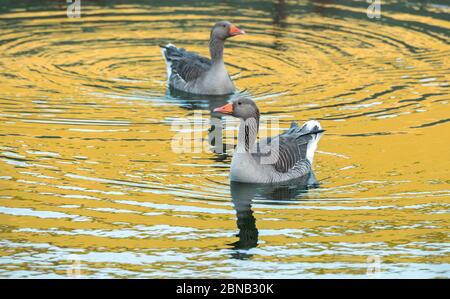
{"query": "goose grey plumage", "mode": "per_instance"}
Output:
(281, 158)
(192, 73)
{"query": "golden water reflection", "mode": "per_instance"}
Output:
(87, 167)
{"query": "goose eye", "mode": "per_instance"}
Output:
(224, 26)
(239, 103)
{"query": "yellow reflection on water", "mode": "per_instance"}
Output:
(87, 165)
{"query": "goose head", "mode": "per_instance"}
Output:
(243, 108)
(223, 30)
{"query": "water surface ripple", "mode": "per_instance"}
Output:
(87, 171)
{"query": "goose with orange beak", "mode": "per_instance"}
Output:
(192, 73)
(286, 157)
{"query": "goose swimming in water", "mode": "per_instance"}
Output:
(192, 73)
(281, 158)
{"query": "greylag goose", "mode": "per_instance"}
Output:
(192, 73)
(286, 157)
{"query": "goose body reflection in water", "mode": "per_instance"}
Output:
(201, 102)
(208, 102)
(245, 194)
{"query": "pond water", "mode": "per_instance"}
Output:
(89, 179)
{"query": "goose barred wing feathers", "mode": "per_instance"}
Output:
(292, 149)
(187, 65)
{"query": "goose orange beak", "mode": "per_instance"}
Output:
(235, 31)
(225, 109)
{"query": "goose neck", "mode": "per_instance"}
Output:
(216, 46)
(248, 132)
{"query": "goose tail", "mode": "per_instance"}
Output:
(166, 53)
(314, 129)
